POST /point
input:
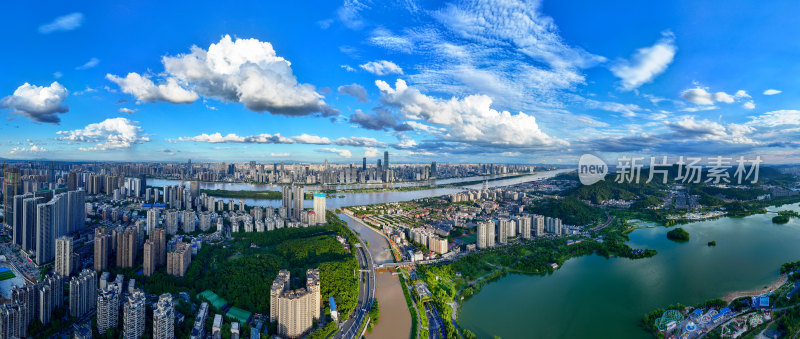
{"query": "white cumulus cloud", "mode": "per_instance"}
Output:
(772, 92)
(112, 133)
(382, 67)
(247, 71)
(370, 152)
(145, 89)
(127, 110)
(646, 64)
(39, 103)
(341, 152)
(470, 119)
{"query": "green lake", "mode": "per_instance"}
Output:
(595, 297)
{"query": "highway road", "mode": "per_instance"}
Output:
(366, 294)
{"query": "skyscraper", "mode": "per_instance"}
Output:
(133, 316)
(102, 249)
(82, 293)
(63, 263)
(298, 197)
(152, 219)
(159, 237)
(13, 323)
(19, 218)
(385, 160)
(504, 231)
(485, 234)
(187, 218)
(126, 247)
(29, 222)
(44, 232)
(433, 170)
(364, 164)
(107, 309)
(319, 208)
(149, 262)
(164, 318)
(178, 259)
(287, 199)
(525, 226)
(295, 310)
(12, 186)
(76, 204)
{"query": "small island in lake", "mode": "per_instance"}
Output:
(712, 243)
(678, 234)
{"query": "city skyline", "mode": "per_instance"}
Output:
(344, 80)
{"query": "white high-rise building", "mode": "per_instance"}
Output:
(503, 230)
(485, 234)
(171, 222)
(538, 225)
(63, 263)
(525, 226)
(319, 208)
(152, 219)
(188, 221)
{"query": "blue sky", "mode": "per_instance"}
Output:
(461, 81)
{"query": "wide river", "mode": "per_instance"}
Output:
(355, 199)
(238, 186)
(594, 297)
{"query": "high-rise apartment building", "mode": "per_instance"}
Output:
(82, 293)
(503, 230)
(164, 318)
(12, 321)
(107, 309)
(287, 198)
(64, 260)
(319, 208)
(19, 218)
(152, 219)
(159, 237)
(485, 234)
(171, 222)
(525, 226)
(299, 198)
(187, 218)
(538, 225)
(45, 217)
(29, 222)
(178, 259)
(133, 323)
(76, 204)
(295, 310)
(149, 256)
(102, 249)
(127, 247)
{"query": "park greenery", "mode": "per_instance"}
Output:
(241, 269)
(678, 234)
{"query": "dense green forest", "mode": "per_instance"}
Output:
(571, 211)
(678, 234)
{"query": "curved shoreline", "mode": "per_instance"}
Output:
(730, 297)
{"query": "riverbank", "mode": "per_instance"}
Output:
(730, 297)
